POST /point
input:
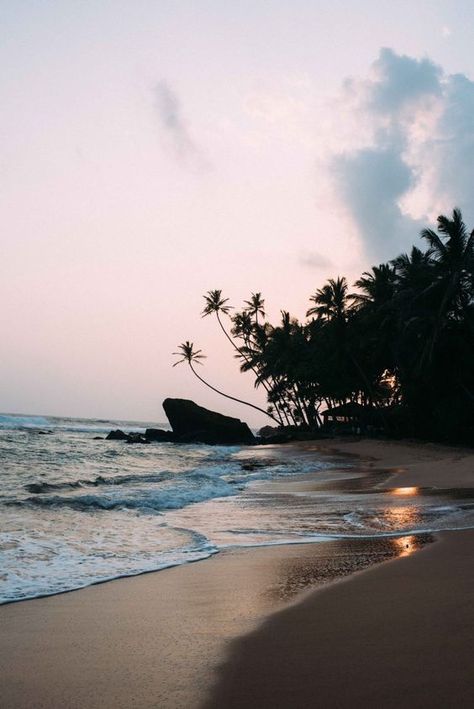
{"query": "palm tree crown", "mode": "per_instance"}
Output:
(188, 354)
(332, 301)
(255, 306)
(215, 303)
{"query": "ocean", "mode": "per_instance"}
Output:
(76, 511)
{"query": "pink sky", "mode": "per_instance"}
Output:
(153, 151)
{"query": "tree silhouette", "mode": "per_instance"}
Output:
(402, 344)
(191, 356)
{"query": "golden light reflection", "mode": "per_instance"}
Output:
(405, 491)
(405, 545)
(400, 516)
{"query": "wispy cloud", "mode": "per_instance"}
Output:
(314, 260)
(175, 127)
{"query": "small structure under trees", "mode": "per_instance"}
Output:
(350, 413)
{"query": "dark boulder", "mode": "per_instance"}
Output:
(116, 435)
(98, 438)
(270, 431)
(194, 424)
(136, 438)
(159, 435)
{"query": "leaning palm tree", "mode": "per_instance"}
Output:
(188, 354)
(217, 304)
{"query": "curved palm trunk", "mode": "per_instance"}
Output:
(266, 386)
(232, 398)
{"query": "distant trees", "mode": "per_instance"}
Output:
(402, 343)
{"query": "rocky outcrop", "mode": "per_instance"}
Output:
(132, 437)
(116, 435)
(194, 424)
(136, 438)
(151, 434)
(159, 435)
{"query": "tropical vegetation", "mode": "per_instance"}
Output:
(399, 343)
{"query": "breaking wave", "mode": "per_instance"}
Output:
(12, 421)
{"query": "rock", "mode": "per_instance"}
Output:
(98, 438)
(269, 431)
(116, 435)
(136, 438)
(158, 434)
(194, 424)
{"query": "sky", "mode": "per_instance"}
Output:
(154, 150)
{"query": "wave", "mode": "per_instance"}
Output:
(43, 487)
(12, 421)
(189, 489)
(73, 425)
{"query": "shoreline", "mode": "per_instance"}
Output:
(342, 449)
(185, 620)
(398, 634)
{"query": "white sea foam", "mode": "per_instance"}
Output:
(77, 511)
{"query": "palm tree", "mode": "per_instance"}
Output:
(255, 306)
(453, 261)
(377, 286)
(413, 271)
(192, 357)
(332, 301)
(215, 303)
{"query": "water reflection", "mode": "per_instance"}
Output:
(405, 491)
(318, 564)
(400, 517)
(405, 546)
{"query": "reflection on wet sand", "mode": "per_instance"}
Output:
(400, 517)
(330, 561)
(405, 491)
(406, 545)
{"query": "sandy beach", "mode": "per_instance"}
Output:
(263, 627)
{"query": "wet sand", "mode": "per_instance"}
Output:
(412, 463)
(397, 634)
(155, 640)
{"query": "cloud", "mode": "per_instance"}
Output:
(401, 82)
(412, 152)
(314, 259)
(175, 126)
(371, 182)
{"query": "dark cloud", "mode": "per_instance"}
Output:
(422, 128)
(371, 183)
(450, 154)
(400, 81)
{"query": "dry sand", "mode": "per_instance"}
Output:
(399, 634)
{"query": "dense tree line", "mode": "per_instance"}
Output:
(401, 343)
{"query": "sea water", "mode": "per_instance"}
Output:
(76, 511)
